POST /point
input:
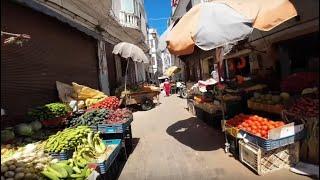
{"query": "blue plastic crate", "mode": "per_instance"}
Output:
(62, 155)
(114, 128)
(102, 167)
(271, 144)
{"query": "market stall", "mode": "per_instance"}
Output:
(87, 134)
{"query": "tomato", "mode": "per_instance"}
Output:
(254, 127)
(258, 134)
(270, 127)
(249, 129)
(249, 121)
(244, 124)
(264, 127)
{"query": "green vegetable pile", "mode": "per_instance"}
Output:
(89, 118)
(49, 111)
(89, 149)
(68, 139)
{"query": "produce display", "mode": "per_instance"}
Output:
(20, 131)
(119, 116)
(68, 139)
(24, 162)
(254, 124)
(28, 150)
(270, 99)
(111, 103)
(306, 107)
(89, 118)
(49, 111)
(65, 170)
(90, 149)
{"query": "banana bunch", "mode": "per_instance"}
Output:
(89, 150)
(65, 170)
(67, 139)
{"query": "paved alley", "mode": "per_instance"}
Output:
(172, 144)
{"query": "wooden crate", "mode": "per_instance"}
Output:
(263, 162)
(276, 109)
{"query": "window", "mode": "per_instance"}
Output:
(128, 6)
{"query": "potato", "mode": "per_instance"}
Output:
(19, 169)
(4, 168)
(20, 164)
(12, 167)
(39, 166)
(19, 176)
(9, 174)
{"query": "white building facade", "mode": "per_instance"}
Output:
(131, 15)
(156, 66)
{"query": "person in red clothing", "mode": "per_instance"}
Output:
(167, 87)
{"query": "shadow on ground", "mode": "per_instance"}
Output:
(135, 142)
(196, 134)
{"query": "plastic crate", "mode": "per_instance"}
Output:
(113, 128)
(102, 167)
(270, 144)
(263, 162)
(62, 155)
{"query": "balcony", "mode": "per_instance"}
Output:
(129, 20)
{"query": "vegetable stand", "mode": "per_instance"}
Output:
(143, 98)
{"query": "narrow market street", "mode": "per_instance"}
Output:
(173, 144)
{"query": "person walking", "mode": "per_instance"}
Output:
(167, 87)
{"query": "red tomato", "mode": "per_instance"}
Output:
(258, 134)
(264, 127)
(270, 127)
(254, 127)
(244, 124)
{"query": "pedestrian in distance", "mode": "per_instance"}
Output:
(167, 87)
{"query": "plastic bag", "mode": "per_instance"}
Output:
(65, 92)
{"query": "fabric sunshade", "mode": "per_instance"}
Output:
(223, 22)
(128, 50)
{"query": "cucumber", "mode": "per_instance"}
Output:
(49, 175)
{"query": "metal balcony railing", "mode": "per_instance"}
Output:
(129, 20)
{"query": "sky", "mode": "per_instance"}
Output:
(157, 13)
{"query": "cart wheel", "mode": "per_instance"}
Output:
(183, 93)
(147, 105)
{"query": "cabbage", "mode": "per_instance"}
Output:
(35, 125)
(24, 129)
(6, 135)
